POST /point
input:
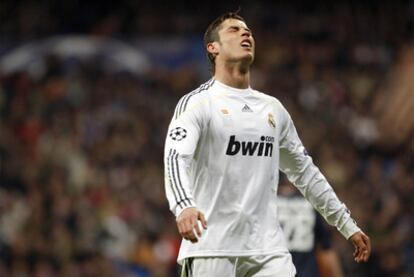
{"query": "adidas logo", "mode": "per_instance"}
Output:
(247, 109)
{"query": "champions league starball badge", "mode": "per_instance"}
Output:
(178, 134)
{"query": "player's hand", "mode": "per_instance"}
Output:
(187, 223)
(362, 246)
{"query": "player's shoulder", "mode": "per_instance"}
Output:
(268, 98)
(198, 95)
(201, 91)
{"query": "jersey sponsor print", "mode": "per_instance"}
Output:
(264, 147)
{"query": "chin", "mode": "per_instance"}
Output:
(249, 58)
(245, 58)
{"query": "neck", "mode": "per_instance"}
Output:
(233, 75)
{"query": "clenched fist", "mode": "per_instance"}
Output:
(187, 223)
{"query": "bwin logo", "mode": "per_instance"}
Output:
(251, 148)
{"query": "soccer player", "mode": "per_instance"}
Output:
(307, 236)
(224, 148)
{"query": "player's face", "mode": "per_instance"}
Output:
(235, 43)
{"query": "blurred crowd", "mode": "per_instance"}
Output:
(81, 174)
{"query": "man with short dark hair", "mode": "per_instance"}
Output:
(224, 148)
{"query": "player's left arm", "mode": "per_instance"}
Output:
(362, 245)
(301, 171)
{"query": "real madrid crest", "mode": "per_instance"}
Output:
(271, 120)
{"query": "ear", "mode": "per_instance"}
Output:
(213, 48)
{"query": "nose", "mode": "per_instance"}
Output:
(246, 33)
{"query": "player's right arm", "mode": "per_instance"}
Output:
(183, 134)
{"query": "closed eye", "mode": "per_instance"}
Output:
(237, 28)
(233, 28)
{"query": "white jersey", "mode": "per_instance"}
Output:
(223, 152)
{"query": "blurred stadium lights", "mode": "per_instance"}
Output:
(116, 55)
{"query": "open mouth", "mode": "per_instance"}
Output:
(246, 44)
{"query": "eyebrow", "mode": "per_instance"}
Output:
(238, 27)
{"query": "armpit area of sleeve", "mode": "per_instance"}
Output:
(180, 208)
(349, 228)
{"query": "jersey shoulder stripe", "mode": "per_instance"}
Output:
(182, 104)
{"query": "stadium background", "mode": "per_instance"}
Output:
(87, 91)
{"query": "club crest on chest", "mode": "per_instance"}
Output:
(271, 120)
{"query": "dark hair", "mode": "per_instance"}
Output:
(212, 35)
